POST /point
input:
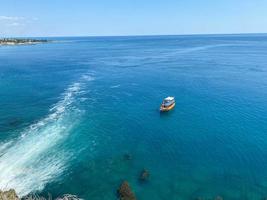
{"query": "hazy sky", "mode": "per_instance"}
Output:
(130, 17)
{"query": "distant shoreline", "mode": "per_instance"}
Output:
(15, 41)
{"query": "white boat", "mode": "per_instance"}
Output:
(167, 104)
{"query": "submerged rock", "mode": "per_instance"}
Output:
(14, 122)
(125, 192)
(218, 198)
(127, 156)
(144, 176)
(35, 197)
(68, 197)
(8, 195)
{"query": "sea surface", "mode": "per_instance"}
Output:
(80, 115)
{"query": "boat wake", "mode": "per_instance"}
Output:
(30, 162)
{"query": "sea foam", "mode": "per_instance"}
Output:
(30, 162)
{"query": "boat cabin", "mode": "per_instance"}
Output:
(168, 101)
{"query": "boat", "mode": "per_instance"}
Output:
(167, 104)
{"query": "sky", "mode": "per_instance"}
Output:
(24, 18)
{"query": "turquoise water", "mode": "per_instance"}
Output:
(70, 111)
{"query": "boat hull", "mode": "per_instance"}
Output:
(166, 109)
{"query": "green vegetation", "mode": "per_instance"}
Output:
(17, 41)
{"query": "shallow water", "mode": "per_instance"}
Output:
(70, 111)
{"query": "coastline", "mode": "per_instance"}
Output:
(16, 41)
(12, 195)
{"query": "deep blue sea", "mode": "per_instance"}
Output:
(72, 109)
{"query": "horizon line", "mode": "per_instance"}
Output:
(138, 35)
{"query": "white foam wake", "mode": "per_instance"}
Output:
(32, 161)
